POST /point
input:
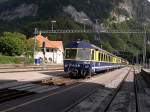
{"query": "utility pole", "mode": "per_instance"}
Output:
(144, 46)
(137, 58)
(35, 42)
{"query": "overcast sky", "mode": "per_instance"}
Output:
(149, 0)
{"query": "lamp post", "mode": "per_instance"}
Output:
(53, 24)
(97, 25)
(97, 29)
(84, 23)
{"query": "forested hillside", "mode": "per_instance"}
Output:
(123, 15)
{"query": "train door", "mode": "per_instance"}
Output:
(97, 56)
(93, 60)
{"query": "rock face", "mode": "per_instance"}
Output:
(77, 16)
(21, 11)
(120, 10)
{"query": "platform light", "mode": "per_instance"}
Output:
(53, 21)
(84, 23)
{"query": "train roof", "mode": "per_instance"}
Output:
(79, 44)
(83, 44)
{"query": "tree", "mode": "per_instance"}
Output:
(30, 46)
(12, 44)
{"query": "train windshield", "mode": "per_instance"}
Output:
(79, 54)
(71, 53)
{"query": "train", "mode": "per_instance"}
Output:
(83, 59)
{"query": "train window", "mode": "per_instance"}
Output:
(99, 56)
(84, 54)
(107, 58)
(80, 54)
(111, 59)
(104, 57)
(71, 53)
(92, 54)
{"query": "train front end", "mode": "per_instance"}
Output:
(77, 59)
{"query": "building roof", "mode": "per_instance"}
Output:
(48, 43)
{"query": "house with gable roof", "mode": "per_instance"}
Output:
(53, 50)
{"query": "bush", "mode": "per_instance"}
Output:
(9, 60)
(12, 44)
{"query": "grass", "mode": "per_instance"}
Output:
(9, 60)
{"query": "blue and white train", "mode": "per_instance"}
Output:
(83, 59)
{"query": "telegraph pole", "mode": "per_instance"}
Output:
(35, 42)
(144, 46)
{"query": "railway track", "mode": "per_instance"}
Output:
(136, 97)
(142, 93)
(112, 97)
(8, 94)
(107, 99)
(67, 94)
(30, 69)
(37, 87)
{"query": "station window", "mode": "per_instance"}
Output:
(47, 50)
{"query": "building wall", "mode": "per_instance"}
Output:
(53, 56)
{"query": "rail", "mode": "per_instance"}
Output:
(108, 102)
(114, 94)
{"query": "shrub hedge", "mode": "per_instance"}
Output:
(9, 60)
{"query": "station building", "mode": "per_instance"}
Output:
(53, 50)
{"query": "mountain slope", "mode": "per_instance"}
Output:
(24, 15)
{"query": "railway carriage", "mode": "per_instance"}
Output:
(82, 59)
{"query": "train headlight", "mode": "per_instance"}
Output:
(66, 65)
(86, 66)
